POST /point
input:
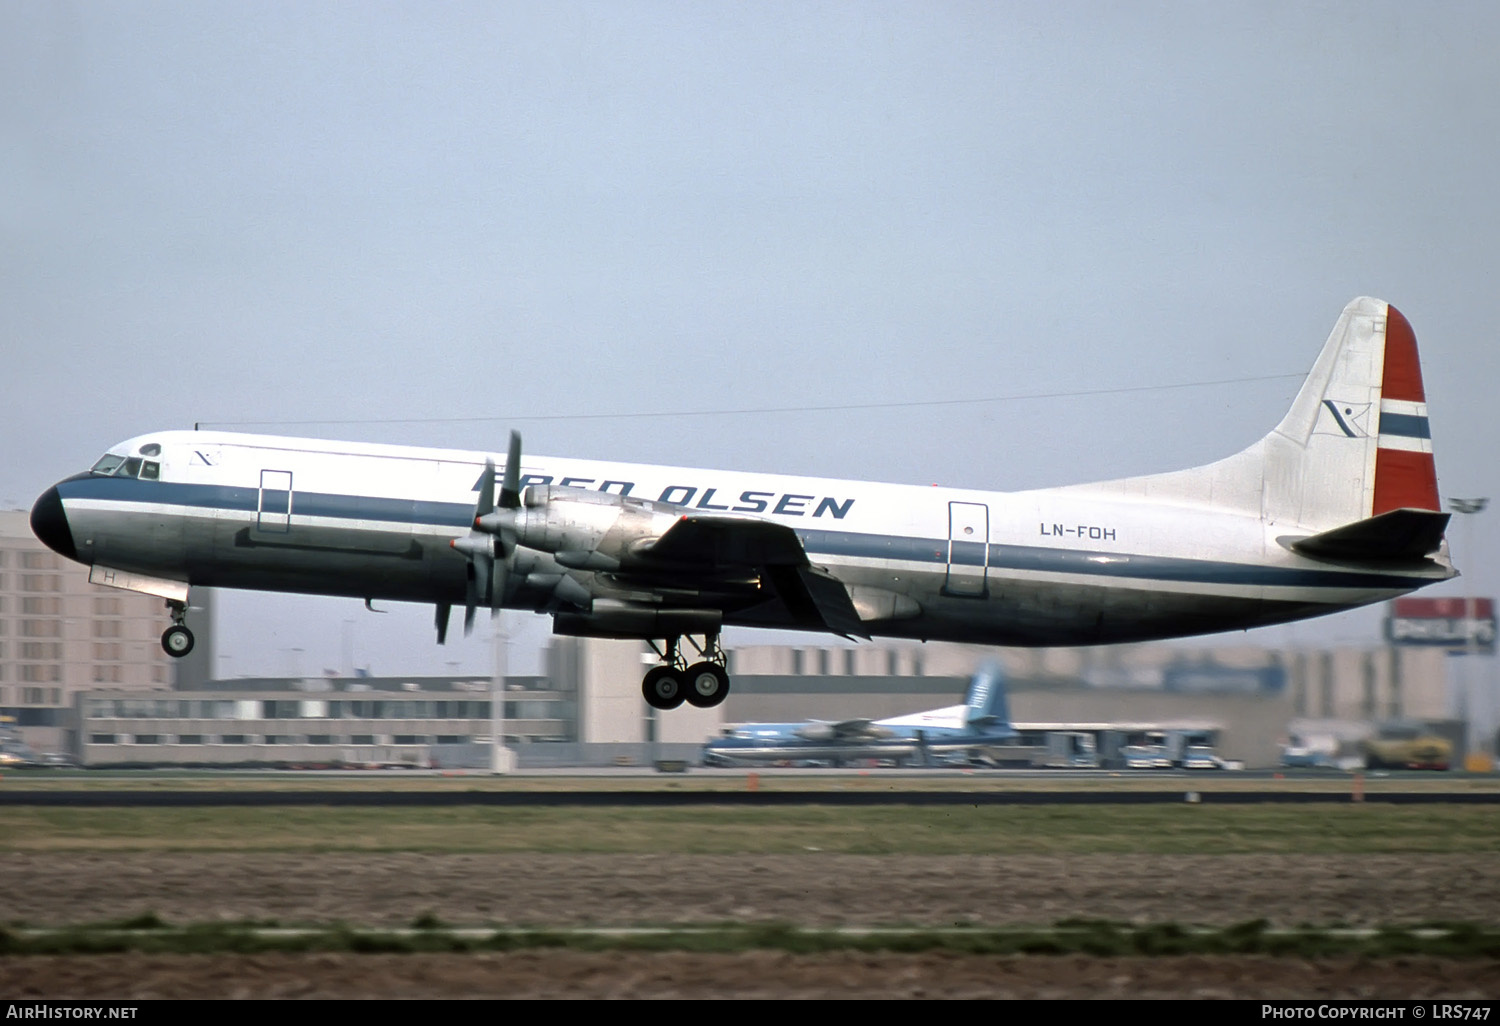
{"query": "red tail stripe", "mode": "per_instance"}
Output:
(1403, 374)
(1404, 480)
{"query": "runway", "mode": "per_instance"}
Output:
(742, 799)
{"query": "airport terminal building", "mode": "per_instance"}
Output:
(587, 711)
(61, 636)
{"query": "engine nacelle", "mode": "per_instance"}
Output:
(612, 619)
(819, 730)
(587, 530)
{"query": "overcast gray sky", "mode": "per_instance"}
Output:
(429, 223)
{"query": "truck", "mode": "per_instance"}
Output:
(1416, 751)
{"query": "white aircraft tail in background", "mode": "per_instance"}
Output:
(1335, 508)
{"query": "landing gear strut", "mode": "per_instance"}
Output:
(177, 640)
(703, 684)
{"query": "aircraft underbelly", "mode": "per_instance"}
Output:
(1021, 610)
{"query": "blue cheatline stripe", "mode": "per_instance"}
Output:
(826, 543)
(1407, 425)
(304, 504)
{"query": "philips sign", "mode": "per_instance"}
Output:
(1457, 624)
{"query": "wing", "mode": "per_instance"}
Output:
(710, 546)
(843, 730)
(684, 559)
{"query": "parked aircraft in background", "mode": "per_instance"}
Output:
(947, 734)
(1337, 507)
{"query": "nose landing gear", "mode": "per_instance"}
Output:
(704, 684)
(177, 640)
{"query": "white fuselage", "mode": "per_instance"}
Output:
(1077, 565)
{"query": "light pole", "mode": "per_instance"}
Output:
(502, 759)
(1468, 507)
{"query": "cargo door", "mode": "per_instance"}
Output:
(274, 510)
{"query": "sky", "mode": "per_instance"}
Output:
(760, 236)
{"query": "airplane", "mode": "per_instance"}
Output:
(945, 734)
(1336, 507)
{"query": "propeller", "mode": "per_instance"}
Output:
(488, 549)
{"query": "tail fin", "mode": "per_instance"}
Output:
(1355, 443)
(986, 701)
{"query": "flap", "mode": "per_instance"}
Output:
(818, 599)
(814, 597)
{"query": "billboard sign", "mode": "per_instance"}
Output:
(1458, 624)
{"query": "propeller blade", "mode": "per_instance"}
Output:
(486, 490)
(510, 488)
(471, 597)
(499, 573)
(486, 570)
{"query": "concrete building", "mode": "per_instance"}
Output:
(319, 721)
(61, 636)
(1251, 694)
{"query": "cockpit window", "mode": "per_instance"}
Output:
(150, 449)
(108, 464)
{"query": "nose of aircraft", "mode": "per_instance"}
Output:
(50, 523)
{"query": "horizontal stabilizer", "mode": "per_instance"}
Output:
(1399, 536)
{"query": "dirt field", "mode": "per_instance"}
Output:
(813, 890)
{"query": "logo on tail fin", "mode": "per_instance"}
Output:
(1352, 420)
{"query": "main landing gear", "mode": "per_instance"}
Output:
(704, 683)
(177, 640)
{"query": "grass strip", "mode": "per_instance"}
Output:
(1100, 939)
(1362, 829)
